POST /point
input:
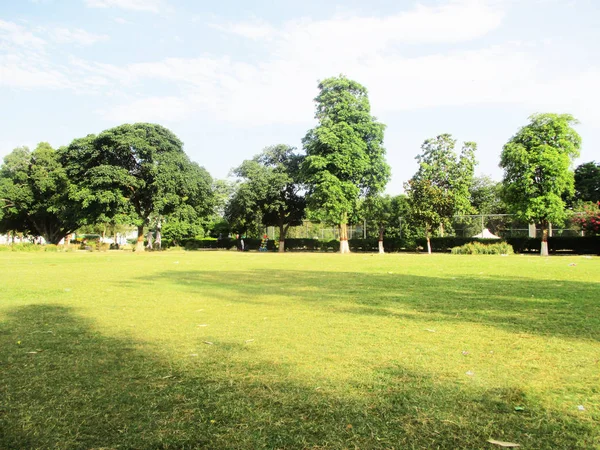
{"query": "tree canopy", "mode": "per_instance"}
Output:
(439, 189)
(345, 157)
(269, 192)
(135, 171)
(537, 169)
(587, 182)
(36, 195)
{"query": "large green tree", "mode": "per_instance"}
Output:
(537, 170)
(439, 189)
(36, 195)
(138, 171)
(345, 157)
(587, 182)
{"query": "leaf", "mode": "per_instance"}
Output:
(503, 444)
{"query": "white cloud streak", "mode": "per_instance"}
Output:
(280, 87)
(153, 6)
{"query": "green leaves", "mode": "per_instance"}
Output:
(536, 163)
(345, 158)
(36, 194)
(440, 187)
(134, 171)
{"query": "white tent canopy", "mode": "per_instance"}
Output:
(486, 234)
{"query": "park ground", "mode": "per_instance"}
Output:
(245, 350)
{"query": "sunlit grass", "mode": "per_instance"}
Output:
(249, 350)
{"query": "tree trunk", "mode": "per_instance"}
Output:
(158, 240)
(282, 232)
(427, 234)
(139, 246)
(544, 248)
(380, 243)
(344, 247)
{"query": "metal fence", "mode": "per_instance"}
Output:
(501, 225)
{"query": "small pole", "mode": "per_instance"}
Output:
(364, 228)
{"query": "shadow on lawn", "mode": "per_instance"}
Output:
(552, 308)
(85, 390)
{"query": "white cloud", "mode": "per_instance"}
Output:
(280, 87)
(151, 109)
(256, 29)
(17, 35)
(27, 74)
(153, 6)
(456, 21)
(76, 36)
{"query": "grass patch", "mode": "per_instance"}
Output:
(247, 350)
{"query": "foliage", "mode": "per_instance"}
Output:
(241, 211)
(269, 192)
(128, 173)
(439, 189)
(536, 163)
(36, 195)
(345, 158)
(589, 219)
(587, 182)
(485, 196)
(477, 248)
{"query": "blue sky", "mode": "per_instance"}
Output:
(232, 77)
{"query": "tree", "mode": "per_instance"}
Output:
(379, 209)
(273, 177)
(345, 157)
(439, 189)
(241, 212)
(486, 197)
(36, 195)
(136, 171)
(587, 182)
(537, 170)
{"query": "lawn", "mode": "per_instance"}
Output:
(245, 350)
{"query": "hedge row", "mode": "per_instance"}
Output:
(579, 245)
(572, 244)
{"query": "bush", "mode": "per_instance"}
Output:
(27, 247)
(477, 248)
(51, 248)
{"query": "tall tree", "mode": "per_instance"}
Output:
(137, 171)
(537, 170)
(345, 157)
(587, 182)
(439, 189)
(36, 195)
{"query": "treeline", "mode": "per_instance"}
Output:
(139, 175)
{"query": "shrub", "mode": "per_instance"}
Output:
(51, 248)
(477, 248)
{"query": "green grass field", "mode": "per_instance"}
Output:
(223, 350)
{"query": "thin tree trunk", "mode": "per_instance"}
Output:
(344, 247)
(139, 246)
(544, 248)
(282, 232)
(380, 243)
(427, 233)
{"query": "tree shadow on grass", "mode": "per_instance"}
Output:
(65, 385)
(562, 308)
